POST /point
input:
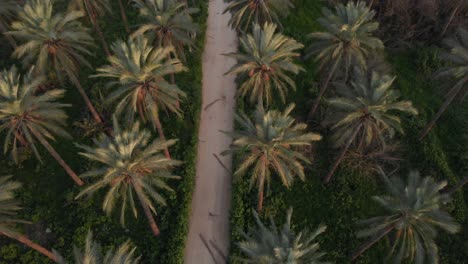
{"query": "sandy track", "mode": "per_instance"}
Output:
(209, 237)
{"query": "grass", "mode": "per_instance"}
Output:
(48, 193)
(347, 198)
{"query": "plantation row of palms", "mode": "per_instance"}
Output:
(53, 47)
(363, 114)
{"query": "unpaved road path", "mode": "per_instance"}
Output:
(209, 237)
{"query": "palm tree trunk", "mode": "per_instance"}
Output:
(371, 242)
(454, 12)
(103, 40)
(340, 158)
(322, 91)
(260, 201)
(161, 135)
(88, 102)
(31, 244)
(442, 109)
(458, 186)
(93, 17)
(57, 157)
(146, 209)
(124, 16)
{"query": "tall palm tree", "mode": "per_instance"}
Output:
(347, 42)
(265, 245)
(92, 254)
(94, 9)
(138, 71)
(56, 42)
(270, 143)
(9, 208)
(8, 10)
(265, 63)
(169, 22)
(26, 117)
(364, 113)
(413, 213)
(131, 164)
(247, 12)
(457, 70)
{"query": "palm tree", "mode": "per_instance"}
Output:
(269, 143)
(9, 207)
(414, 212)
(457, 58)
(247, 12)
(347, 42)
(94, 9)
(364, 113)
(57, 43)
(138, 70)
(92, 254)
(130, 164)
(169, 22)
(265, 63)
(26, 117)
(266, 246)
(8, 10)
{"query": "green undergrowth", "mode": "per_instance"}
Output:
(48, 192)
(348, 197)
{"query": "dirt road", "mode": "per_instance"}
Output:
(208, 239)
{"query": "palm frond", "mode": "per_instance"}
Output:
(272, 245)
(414, 213)
(129, 162)
(264, 65)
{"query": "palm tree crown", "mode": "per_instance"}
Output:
(21, 111)
(138, 71)
(58, 42)
(364, 114)
(457, 70)
(246, 12)
(281, 246)
(92, 254)
(348, 37)
(265, 63)
(269, 142)
(457, 58)
(130, 164)
(368, 103)
(169, 22)
(414, 212)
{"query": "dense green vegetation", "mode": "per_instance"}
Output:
(347, 199)
(48, 194)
